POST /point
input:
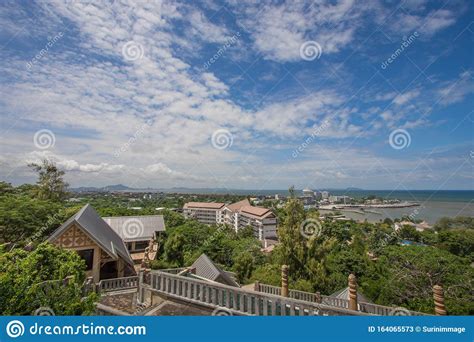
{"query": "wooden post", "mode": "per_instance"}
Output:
(438, 296)
(256, 286)
(352, 292)
(284, 281)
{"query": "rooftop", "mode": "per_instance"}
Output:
(136, 228)
(98, 230)
(204, 205)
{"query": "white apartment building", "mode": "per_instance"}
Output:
(204, 212)
(238, 215)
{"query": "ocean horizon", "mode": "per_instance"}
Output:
(404, 195)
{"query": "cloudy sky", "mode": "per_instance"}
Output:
(236, 94)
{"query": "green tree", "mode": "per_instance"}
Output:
(46, 277)
(174, 248)
(51, 185)
(292, 241)
(404, 276)
(244, 265)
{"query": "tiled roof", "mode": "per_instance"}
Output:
(89, 220)
(136, 228)
(238, 205)
(204, 205)
(256, 211)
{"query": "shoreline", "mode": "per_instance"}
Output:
(362, 206)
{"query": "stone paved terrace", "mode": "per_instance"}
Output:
(125, 302)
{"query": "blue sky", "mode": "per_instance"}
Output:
(319, 94)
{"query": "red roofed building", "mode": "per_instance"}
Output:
(238, 215)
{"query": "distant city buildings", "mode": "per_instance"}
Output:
(238, 215)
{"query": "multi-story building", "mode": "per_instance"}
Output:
(204, 212)
(238, 215)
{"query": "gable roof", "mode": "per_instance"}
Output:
(204, 205)
(205, 268)
(98, 230)
(245, 208)
(238, 205)
(136, 228)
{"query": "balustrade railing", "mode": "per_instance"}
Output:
(342, 303)
(235, 300)
(118, 284)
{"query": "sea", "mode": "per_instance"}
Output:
(434, 204)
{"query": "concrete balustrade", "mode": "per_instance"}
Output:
(118, 284)
(236, 300)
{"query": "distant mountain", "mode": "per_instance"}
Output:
(117, 187)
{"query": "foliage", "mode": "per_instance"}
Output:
(30, 280)
(51, 185)
(454, 223)
(405, 275)
(244, 265)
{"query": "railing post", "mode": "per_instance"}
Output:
(317, 296)
(256, 286)
(141, 290)
(438, 296)
(284, 281)
(352, 292)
